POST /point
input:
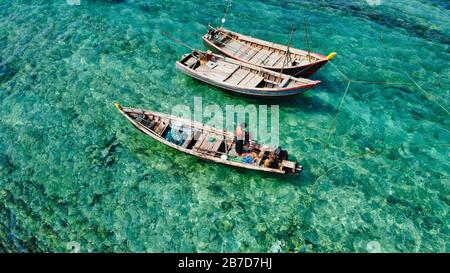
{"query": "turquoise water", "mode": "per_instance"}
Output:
(73, 172)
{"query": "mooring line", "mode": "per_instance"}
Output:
(338, 70)
(367, 152)
(349, 81)
(316, 184)
(337, 113)
(380, 83)
(373, 152)
(340, 163)
(428, 96)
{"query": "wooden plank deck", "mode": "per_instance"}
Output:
(254, 81)
(200, 141)
(302, 61)
(223, 40)
(226, 67)
(147, 121)
(238, 76)
(249, 76)
(211, 146)
(235, 46)
(190, 138)
(217, 145)
(263, 60)
(246, 79)
(242, 51)
(191, 62)
(273, 59)
(232, 73)
(151, 124)
(292, 84)
(262, 54)
(212, 73)
(206, 144)
(251, 53)
(251, 80)
(280, 61)
(161, 127)
(285, 81)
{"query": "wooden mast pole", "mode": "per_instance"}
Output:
(226, 13)
(307, 39)
(288, 55)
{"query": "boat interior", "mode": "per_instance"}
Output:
(258, 54)
(232, 72)
(204, 142)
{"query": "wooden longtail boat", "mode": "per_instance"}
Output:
(202, 141)
(299, 63)
(239, 77)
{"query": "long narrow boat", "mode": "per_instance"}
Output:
(299, 63)
(204, 141)
(239, 77)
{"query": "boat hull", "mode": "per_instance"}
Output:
(302, 71)
(152, 134)
(261, 93)
(297, 71)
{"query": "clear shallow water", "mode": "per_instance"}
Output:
(73, 170)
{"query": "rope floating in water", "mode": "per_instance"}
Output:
(349, 81)
(224, 19)
(428, 96)
(339, 110)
